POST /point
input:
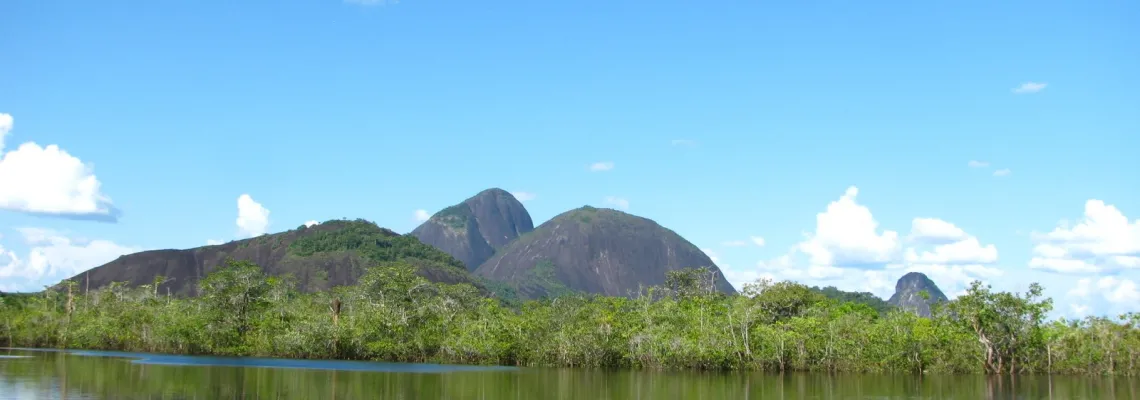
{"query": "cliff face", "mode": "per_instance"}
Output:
(907, 293)
(594, 250)
(320, 257)
(473, 230)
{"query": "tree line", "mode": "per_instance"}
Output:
(393, 314)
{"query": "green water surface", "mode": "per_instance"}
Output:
(39, 374)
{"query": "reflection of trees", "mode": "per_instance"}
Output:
(117, 378)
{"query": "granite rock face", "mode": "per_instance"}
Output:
(473, 230)
(594, 250)
(908, 295)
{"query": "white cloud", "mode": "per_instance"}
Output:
(1119, 290)
(1104, 240)
(683, 142)
(620, 203)
(5, 127)
(966, 251)
(846, 235)
(54, 257)
(524, 196)
(421, 215)
(977, 164)
(1003, 172)
(253, 218)
(934, 230)
(1082, 288)
(757, 240)
(602, 166)
(48, 180)
(1030, 87)
(1079, 309)
(213, 242)
(311, 223)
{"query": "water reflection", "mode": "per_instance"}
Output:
(99, 375)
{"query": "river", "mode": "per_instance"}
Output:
(50, 374)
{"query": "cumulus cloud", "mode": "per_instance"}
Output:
(524, 196)
(617, 202)
(846, 234)
(253, 218)
(935, 231)
(977, 164)
(848, 249)
(757, 240)
(1030, 87)
(421, 215)
(49, 181)
(213, 242)
(1003, 172)
(601, 166)
(965, 251)
(311, 223)
(53, 257)
(1110, 292)
(1103, 240)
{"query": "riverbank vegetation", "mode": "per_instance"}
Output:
(393, 314)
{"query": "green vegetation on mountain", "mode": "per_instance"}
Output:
(333, 253)
(392, 313)
(879, 305)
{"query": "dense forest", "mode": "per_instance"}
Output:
(394, 314)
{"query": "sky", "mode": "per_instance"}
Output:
(831, 143)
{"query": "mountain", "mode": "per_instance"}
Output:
(594, 250)
(908, 295)
(473, 230)
(875, 302)
(320, 257)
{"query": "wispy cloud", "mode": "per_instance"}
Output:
(977, 164)
(421, 215)
(601, 166)
(620, 203)
(1003, 172)
(524, 196)
(757, 240)
(1030, 87)
(684, 142)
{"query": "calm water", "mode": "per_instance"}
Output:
(38, 374)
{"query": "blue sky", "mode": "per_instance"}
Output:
(824, 128)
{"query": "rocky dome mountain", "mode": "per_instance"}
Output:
(319, 257)
(473, 230)
(908, 291)
(594, 250)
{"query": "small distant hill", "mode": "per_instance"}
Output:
(322, 256)
(908, 293)
(473, 230)
(594, 250)
(876, 303)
